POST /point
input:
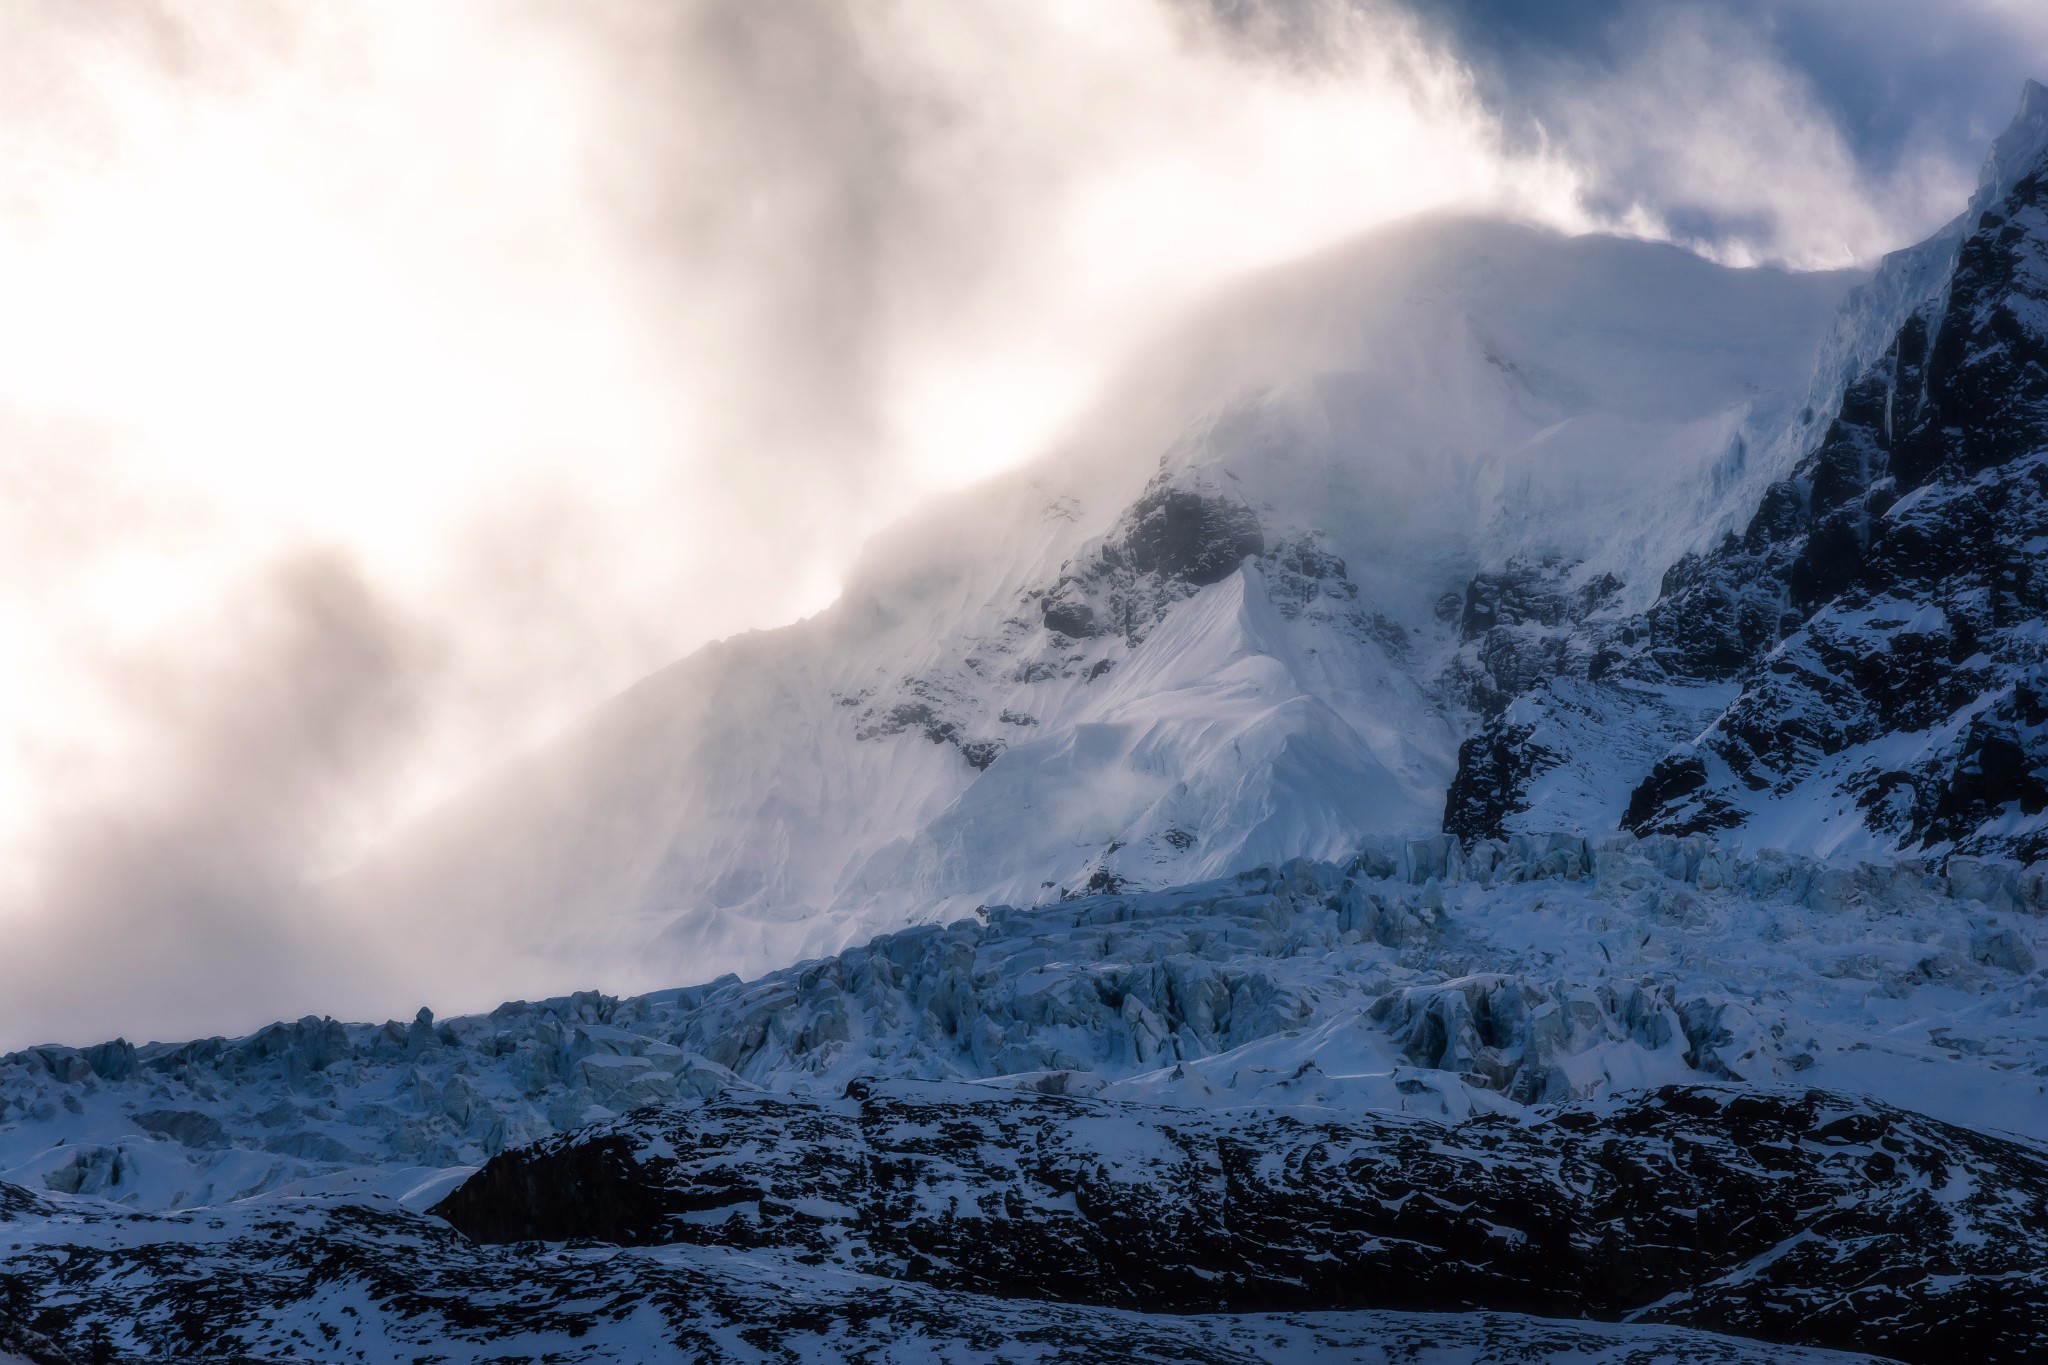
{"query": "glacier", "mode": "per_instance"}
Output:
(1416, 977)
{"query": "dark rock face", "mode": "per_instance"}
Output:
(1531, 621)
(1676, 793)
(1798, 1218)
(1183, 534)
(1717, 613)
(1982, 399)
(1994, 768)
(1074, 618)
(1494, 768)
(1169, 544)
(1909, 575)
(1528, 592)
(373, 1284)
(1893, 588)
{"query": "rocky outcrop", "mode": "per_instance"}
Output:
(1175, 540)
(19, 1342)
(1806, 1218)
(1180, 536)
(1529, 621)
(1167, 546)
(1492, 782)
(1185, 534)
(1998, 765)
(1538, 668)
(369, 1283)
(1876, 625)
(1910, 583)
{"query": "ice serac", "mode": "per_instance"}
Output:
(1416, 977)
(1206, 632)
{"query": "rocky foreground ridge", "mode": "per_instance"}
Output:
(975, 1224)
(1810, 1219)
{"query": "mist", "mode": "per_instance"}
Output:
(382, 386)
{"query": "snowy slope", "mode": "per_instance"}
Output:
(1208, 631)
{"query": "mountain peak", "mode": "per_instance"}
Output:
(2017, 152)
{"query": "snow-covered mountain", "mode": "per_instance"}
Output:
(1219, 627)
(1499, 773)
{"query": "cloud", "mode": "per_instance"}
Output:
(382, 385)
(1705, 135)
(171, 887)
(1808, 132)
(585, 333)
(899, 241)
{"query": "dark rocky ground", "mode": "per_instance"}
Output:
(1790, 1218)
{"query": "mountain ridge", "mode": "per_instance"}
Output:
(784, 794)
